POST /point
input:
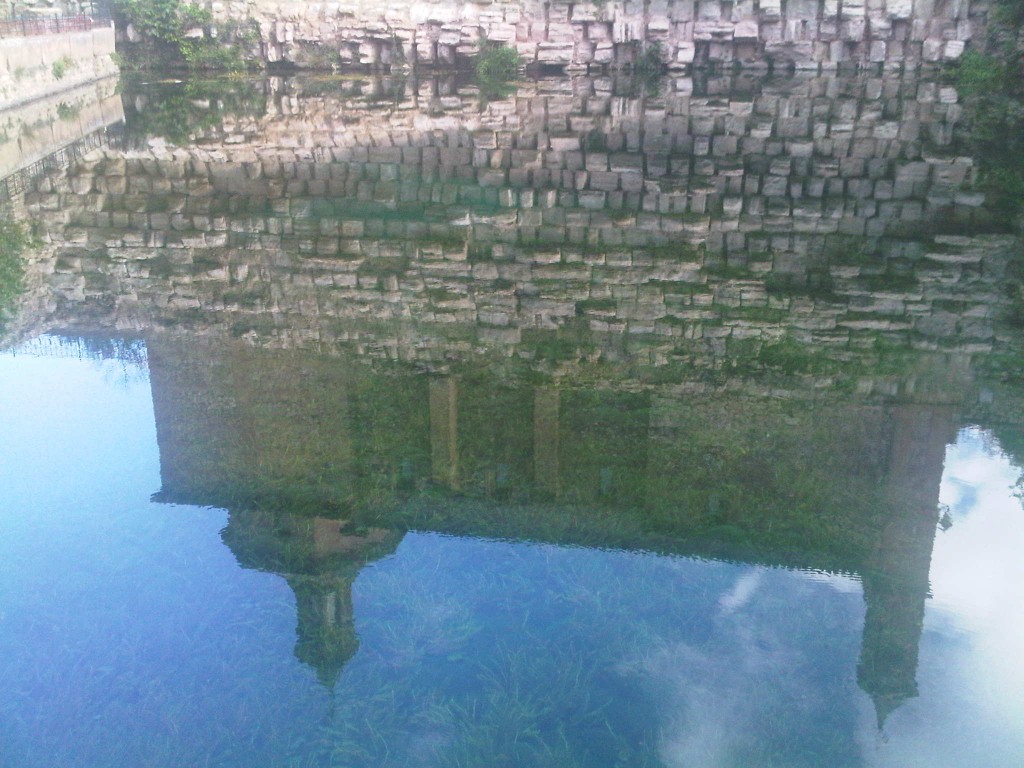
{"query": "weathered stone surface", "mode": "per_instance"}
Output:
(806, 33)
(695, 221)
(28, 65)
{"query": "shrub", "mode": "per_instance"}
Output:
(651, 61)
(993, 100)
(164, 25)
(66, 111)
(60, 67)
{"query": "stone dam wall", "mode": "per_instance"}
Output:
(595, 35)
(691, 226)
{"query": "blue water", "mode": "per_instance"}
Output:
(131, 636)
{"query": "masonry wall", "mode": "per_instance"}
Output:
(687, 226)
(587, 35)
(41, 65)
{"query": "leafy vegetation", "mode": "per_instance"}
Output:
(176, 34)
(651, 61)
(177, 111)
(991, 84)
(60, 67)
(15, 239)
(67, 111)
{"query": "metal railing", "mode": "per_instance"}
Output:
(22, 180)
(30, 27)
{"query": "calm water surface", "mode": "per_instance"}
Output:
(147, 633)
(373, 423)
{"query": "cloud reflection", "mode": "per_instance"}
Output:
(770, 683)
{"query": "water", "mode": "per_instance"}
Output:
(303, 466)
(150, 633)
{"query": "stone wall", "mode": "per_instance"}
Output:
(34, 67)
(582, 35)
(690, 227)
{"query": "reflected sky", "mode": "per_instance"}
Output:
(130, 635)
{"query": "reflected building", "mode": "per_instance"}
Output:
(55, 131)
(820, 483)
(895, 578)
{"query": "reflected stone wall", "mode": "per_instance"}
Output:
(34, 130)
(697, 227)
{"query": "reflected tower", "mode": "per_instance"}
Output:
(895, 578)
(319, 558)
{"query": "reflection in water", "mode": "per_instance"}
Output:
(833, 486)
(442, 649)
(684, 230)
(583, 426)
(55, 131)
(319, 559)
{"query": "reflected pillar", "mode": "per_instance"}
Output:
(546, 407)
(444, 426)
(326, 632)
(895, 578)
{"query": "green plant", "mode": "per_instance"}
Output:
(166, 28)
(66, 111)
(319, 57)
(176, 111)
(991, 84)
(200, 54)
(246, 32)
(495, 68)
(497, 63)
(978, 73)
(162, 19)
(60, 67)
(15, 239)
(651, 60)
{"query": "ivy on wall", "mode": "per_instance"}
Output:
(175, 33)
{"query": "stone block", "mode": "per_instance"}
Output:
(604, 53)
(953, 50)
(706, 31)
(747, 29)
(604, 181)
(932, 49)
(771, 9)
(685, 52)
